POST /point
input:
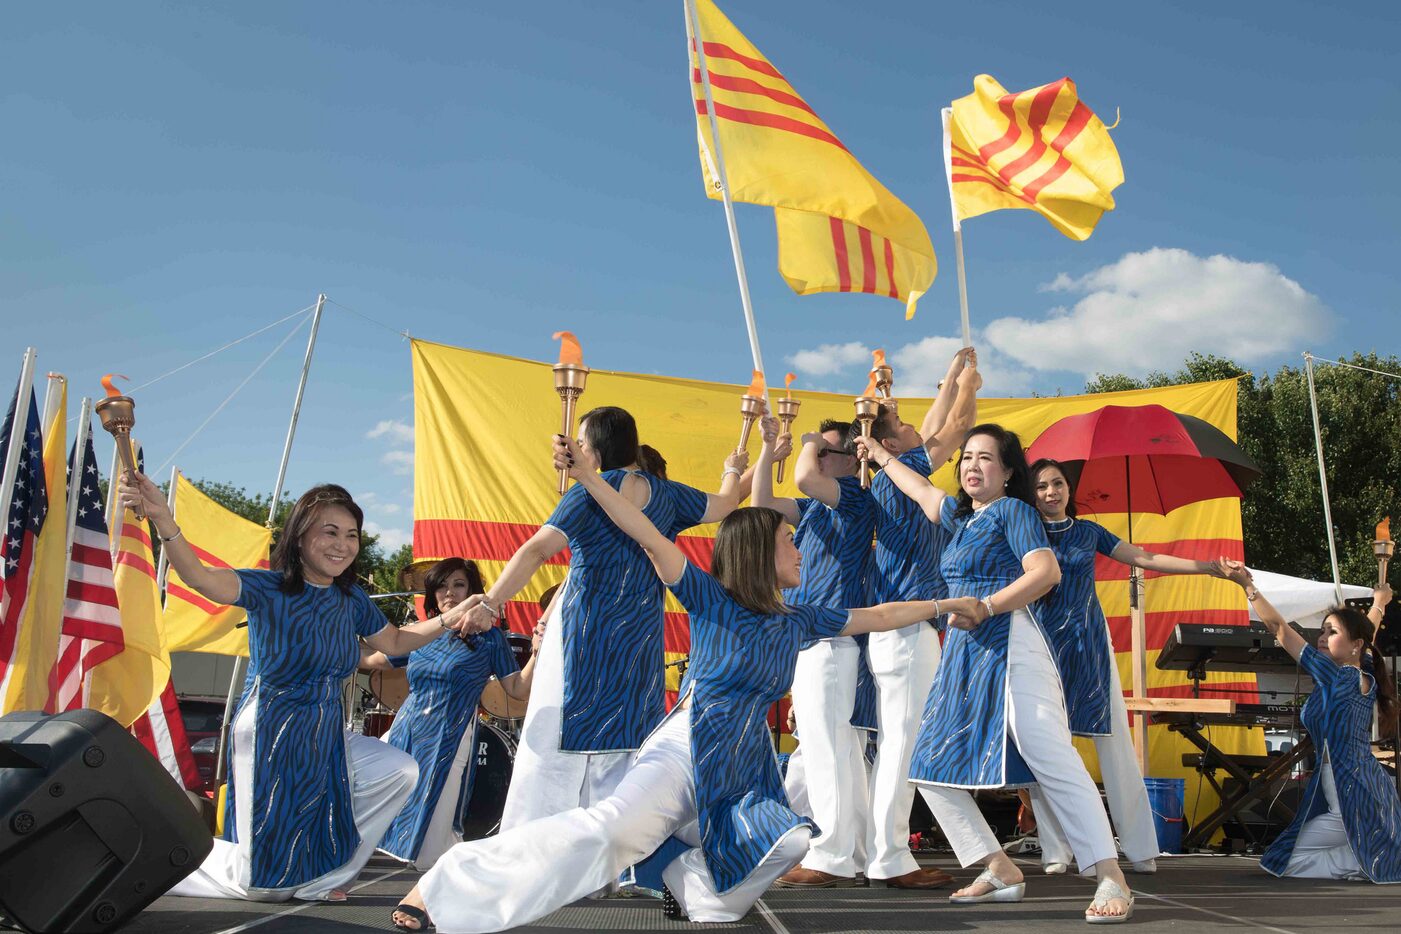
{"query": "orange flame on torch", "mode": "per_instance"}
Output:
(877, 357)
(756, 386)
(107, 384)
(788, 383)
(1384, 530)
(569, 350)
(870, 388)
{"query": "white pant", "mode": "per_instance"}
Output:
(439, 836)
(824, 692)
(1322, 849)
(903, 663)
(1037, 722)
(381, 778)
(544, 780)
(856, 775)
(477, 886)
(1123, 785)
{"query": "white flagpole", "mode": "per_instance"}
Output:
(11, 470)
(75, 479)
(115, 513)
(1323, 481)
(164, 564)
(723, 182)
(947, 114)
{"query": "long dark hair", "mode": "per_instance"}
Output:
(438, 575)
(1009, 451)
(651, 460)
(611, 433)
(1034, 472)
(743, 558)
(1358, 625)
(287, 556)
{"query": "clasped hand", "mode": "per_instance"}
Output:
(967, 613)
(468, 617)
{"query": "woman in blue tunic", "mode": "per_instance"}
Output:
(307, 800)
(995, 717)
(1349, 824)
(1073, 621)
(707, 774)
(437, 723)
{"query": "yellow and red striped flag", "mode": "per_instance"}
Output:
(1041, 150)
(221, 539)
(839, 228)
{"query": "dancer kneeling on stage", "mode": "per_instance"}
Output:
(437, 723)
(706, 774)
(1349, 823)
(996, 716)
(307, 801)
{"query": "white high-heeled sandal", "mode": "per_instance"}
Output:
(1106, 891)
(1000, 891)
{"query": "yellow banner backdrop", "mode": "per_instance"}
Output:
(483, 483)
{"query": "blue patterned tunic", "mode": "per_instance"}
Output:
(963, 740)
(300, 650)
(836, 547)
(1074, 624)
(446, 678)
(1339, 718)
(741, 663)
(612, 617)
(908, 546)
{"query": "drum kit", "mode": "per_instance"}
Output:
(499, 718)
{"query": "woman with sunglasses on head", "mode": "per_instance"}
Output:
(707, 773)
(437, 723)
(307, 801)
(1348, 825)
(1074, 624)
(995, 717)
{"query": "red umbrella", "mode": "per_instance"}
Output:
(1144, 458)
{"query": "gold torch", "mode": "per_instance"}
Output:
(867, 408)
(787, 412)
(1383, 548)
(118, 414)
(883, 377)
(570, 377)
(751, 406)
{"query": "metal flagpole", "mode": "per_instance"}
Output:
(75, 482)
(947, 114)
(163, 565)
(723, 181)
(22, 396)
(114, 515)
(1323, 480)
(240, 669)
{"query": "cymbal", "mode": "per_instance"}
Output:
(412, 576)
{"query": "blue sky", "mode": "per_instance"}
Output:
(176, 176)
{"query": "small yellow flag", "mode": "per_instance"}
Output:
(1041, 149)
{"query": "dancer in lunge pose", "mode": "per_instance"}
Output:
(707, 774)
(834, 527)
(1349, 824)
(1073, 622)
(437, 723)
(995, 716)
(307, 801)
(598, 686)
(903, 663)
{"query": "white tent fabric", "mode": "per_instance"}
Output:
(1300, 600)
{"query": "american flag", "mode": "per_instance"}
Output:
(92, 624)
(29, 506)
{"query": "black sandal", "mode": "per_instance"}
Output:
(414, 912)
(670, 907)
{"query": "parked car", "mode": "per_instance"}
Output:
(203, 716)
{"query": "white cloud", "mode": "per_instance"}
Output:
(920, 365)
(830, 358)
(1150, 310)
(396, 431)
(400, 461)
(391, 540)
(373, 503)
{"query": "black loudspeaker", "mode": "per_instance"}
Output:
(92, 827)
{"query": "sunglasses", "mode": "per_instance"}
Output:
(825, 451)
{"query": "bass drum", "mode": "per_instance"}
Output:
(480, 815)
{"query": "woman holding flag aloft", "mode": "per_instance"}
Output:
(307, 801)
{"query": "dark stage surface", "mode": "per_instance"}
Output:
(1193, 894)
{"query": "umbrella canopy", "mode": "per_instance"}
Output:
(1144, 458)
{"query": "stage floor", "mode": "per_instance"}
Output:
(1190, 893)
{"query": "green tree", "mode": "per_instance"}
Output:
(1282, 512)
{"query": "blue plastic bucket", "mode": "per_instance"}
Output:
(1165, 798)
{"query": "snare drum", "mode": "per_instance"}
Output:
(480, 815)
(495, 702)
